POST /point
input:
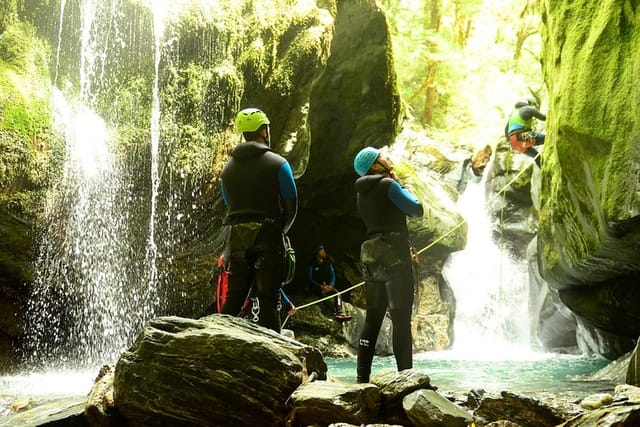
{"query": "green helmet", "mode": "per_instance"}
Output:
(250, 120)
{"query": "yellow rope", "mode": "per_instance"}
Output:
(458, 225)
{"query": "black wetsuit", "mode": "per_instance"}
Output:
(384, 206)
(322, 273)
(261, 197)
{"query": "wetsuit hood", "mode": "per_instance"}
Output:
(249, 149)
(367, 182)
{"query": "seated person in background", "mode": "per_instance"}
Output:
(322, 276)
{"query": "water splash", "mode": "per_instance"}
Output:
(59, 46)
(80, 309)
(89, 297)
(491, 287)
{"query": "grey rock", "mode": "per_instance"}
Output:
(427, 408)
(524, 410)
(324, 402)
(216, 371)
(394, 386)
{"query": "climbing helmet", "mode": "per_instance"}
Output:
(250, 120)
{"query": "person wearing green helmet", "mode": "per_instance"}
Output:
(261, 197)
(519, 129)
(384, 204)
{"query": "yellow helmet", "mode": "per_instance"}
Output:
(250, 120)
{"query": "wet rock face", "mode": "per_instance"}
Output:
(214, 371)
(589, 199)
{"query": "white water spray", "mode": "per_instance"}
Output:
(491, 287)
(59, 46)
(160, 11)
(91, 292)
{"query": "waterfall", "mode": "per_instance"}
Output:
(59, 45)
(90, 296)
(490, 286)
(159, 16)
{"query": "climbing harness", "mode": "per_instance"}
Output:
(429, 246)
(290, 260)
(522, 141)
(255, 309)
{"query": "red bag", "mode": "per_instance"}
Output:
(221, 289)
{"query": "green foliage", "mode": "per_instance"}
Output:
(8, 13)
(29, 150)
(455, 63)
(24, 93)
(130, 103)
(20, 48)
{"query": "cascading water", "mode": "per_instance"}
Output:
(91, 291)
(491, 287)
(160, 11)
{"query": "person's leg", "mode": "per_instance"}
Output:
(240, 275)
(402, 339)
(376, 299)
(535, 155)
(269, 275)
(335, 301)
(268, 281)
(399, 290)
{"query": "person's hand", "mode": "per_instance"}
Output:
(394, 177)
(325, 288)
(292, 310)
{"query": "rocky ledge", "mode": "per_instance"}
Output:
(222, 371)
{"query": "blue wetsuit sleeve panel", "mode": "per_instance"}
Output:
(288, 188)
(404, 200)
(225, 196)
(332, 275)
(289, 194)
(285, 298)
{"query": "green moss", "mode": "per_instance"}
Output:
(8, 13)
(592, 129)
(24, 88)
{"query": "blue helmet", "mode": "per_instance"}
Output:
(365, 159)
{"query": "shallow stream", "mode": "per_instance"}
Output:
(529, 373)
(25, 399)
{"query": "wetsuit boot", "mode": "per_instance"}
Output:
(365, 358)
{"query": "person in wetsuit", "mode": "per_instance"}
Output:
(260, 193)
(519, 129)
(322, 277)
(384, 205)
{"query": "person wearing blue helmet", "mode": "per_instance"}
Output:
(384, 204)
(260, 193)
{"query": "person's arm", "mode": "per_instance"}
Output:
(528, 112)
(285, 298)
(332, 276)
(405, 201)
(292, 308)
(289, 195)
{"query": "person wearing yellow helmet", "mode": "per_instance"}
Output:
(261, 197)
(253, 123)
(384, 204)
